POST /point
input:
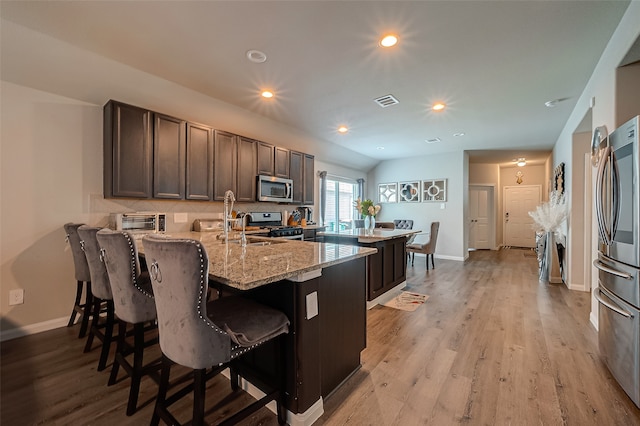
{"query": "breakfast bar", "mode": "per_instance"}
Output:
(320, 287)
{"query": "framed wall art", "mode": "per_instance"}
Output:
(388, 192)
(409, 192)
(434, 190)
(558, 178)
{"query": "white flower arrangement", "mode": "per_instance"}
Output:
(549, 216)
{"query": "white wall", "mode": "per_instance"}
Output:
(601, 87)
(451, 237)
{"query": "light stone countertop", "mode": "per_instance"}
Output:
(257, 265)
(379, 234)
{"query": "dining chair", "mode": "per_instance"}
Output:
(427, 248)
(83, 279)
(134, 306)
(203, 335)
(102, 328)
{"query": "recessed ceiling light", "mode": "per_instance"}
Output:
(256, 56)
(380, 148)
(551, 104)
(458, 134)
(343, 129)
(439, 106)
(433, 140)
(389, 40)
(268, 94)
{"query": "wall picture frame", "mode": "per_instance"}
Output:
(558, 178)
(409, 192)
(434, 190)
(388, 192)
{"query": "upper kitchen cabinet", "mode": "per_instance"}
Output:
(281, 166)
(199, 169)
(169, 152)
(308, 179)
(234, 166)
(266, 158)
(127, 151)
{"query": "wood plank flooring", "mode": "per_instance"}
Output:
(491, 346)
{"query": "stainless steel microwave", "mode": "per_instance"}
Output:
(138, 222)
(271, 188)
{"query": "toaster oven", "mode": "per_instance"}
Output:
(138, 222)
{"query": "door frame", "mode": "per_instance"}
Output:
(491, 201)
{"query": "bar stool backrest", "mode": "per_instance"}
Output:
(80, 264)
(100, 286)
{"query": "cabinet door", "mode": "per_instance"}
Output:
(246, 172)
(308, 179)
(295, 173)
(281, 167)
(199, 173)
(127, 151)
(266, 155)
(224, 164)
(168, 157)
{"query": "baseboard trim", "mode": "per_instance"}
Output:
(27, 330)
(445, 257)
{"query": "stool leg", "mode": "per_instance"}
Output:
(72, 319)
(199, 388)
(95, 314)
(163, 387)
(433, 266)
(122, 331)
(427, 259)
(136, 375)
(108, 336)
(87, 311)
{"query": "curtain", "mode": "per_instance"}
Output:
(323, 196)
(361, 188)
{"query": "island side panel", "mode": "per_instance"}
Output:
(342, 303)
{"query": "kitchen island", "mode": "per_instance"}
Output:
(387, 268)
(322, 290)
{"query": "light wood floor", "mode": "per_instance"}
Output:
(491, 346)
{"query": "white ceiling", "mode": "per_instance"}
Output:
(495, 63)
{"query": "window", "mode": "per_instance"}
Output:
(340, 197)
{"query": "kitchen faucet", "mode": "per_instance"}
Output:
(228, 197)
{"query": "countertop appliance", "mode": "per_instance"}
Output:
(207, 225)
(618, 262)
(275, 189)
(271, 222)
(138, 222)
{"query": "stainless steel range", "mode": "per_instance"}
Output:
(272, 222)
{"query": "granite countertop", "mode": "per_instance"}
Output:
(379, 234)
(255, 265)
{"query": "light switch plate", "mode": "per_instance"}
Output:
(312, 304)
(180, 217)
(442, 206)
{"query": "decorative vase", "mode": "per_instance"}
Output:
(545, 255)
(369, 224)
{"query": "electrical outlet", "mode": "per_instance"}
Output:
(16, 297)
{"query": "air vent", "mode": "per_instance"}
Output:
(386, 101)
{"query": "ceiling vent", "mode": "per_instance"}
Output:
(386, 101)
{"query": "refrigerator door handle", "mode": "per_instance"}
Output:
(615, 194)
(601, 266)
(615, 309)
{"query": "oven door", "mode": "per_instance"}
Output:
(619, 340)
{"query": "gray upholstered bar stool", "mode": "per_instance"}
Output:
(83, 278)
(134, 305)
(102, 297)
(205, 335)
(428, 248)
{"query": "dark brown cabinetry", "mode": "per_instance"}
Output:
(234, 166)
(127, 151)
(301, 170)
(199, 169)
(281, 165)
(388, 267)
(168, 157)
(266, 158)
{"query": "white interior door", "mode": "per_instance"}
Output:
(480, 217)
(518, 202)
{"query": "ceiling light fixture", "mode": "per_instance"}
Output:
(343, 129)
(433, 140)
(268, 94)
(459, 134)
(520, 162)
(389, 40)
(256, 56)
(380, 148)
(439, 106)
